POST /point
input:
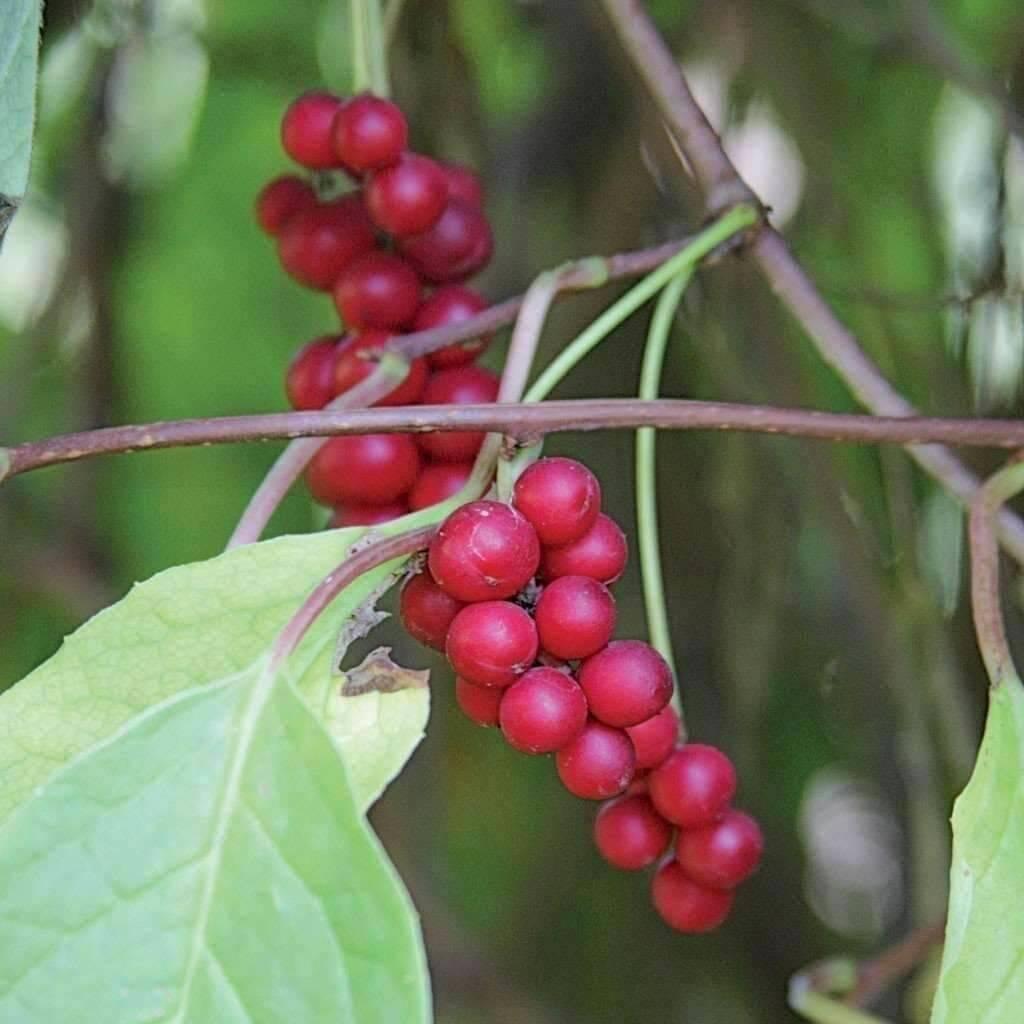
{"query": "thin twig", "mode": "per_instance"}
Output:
(881, 972)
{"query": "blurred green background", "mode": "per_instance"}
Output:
(816, 592)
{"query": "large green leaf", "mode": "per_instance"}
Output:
(190, 626)
(982, 979)
(208, 865)
(19, 52)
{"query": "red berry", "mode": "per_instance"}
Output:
(306, 130)
(686, 906)
(543, 711)
(600, 554)
(464, 385)
(693, 785)
(575, 617)
(310, 380)
(598, 763)
(452, 304)
(456, 247)
(654, 739)
(626, 683)
(363, 469)
(427, 611)
(318, 243)
(279, 199)
(723, 853)
(351, 366)
(484, 550)
(377, 290)
(561, 497)
(368, 133)
(438, 482)
(479, 703)
(630, 833)
(463, 184)
(491, 643)
(409, 198)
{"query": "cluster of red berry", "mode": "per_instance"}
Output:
(517, 597)
(393, 252)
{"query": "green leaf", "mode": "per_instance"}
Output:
(982, 979)
(189, 626)
(208, 865)
(19, 52)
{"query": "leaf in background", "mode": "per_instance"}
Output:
(207, 864)
(19, 53)
(982, 980)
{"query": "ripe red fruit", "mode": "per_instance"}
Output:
(437, 482)
(654, 739)
(279, 199)
(600, 554)
(479, 703)
(464, 385)
(463, 184)
(377, 290)
(368, 133)
(693, 785)
(598, 763)
(686, 906)
(408, 198)
(427, 611)
(456, 247)
(310, 380)
(317, 243)
(723, 853)
(630, 833)
(543, 711)
(484, 550)
(491, 643)
(351, 366)
(575, 617)
(363, 469)
(561, 497)
(452, 304)
(367, 515)
(306, 130)
(626, 683)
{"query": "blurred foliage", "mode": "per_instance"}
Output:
(816, 591)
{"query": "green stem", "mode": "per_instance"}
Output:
(369, 48)
(392, 16)
(821, 1009)
(646, 476)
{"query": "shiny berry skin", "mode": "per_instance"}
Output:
(543, 711)
(318, 243)
(367, 515)
(721, 854)
(484, 551)
(306, 130)
(427, 611)
(279, 199)
(598, 763)
(491, 643)
(456, 247)
(310, 380)
(630, 833)
(463, 183)
(626, 683)
(438, 482)
(408, 198)
(686, 906)
(478, 703)
(368, 133)
(692, 787)
(561, 497)
(575, 617)
(377, 290)
(600, 553)
(452, 304)
(351, 366)
(463, 385)
(363, 469)
(654, 739)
